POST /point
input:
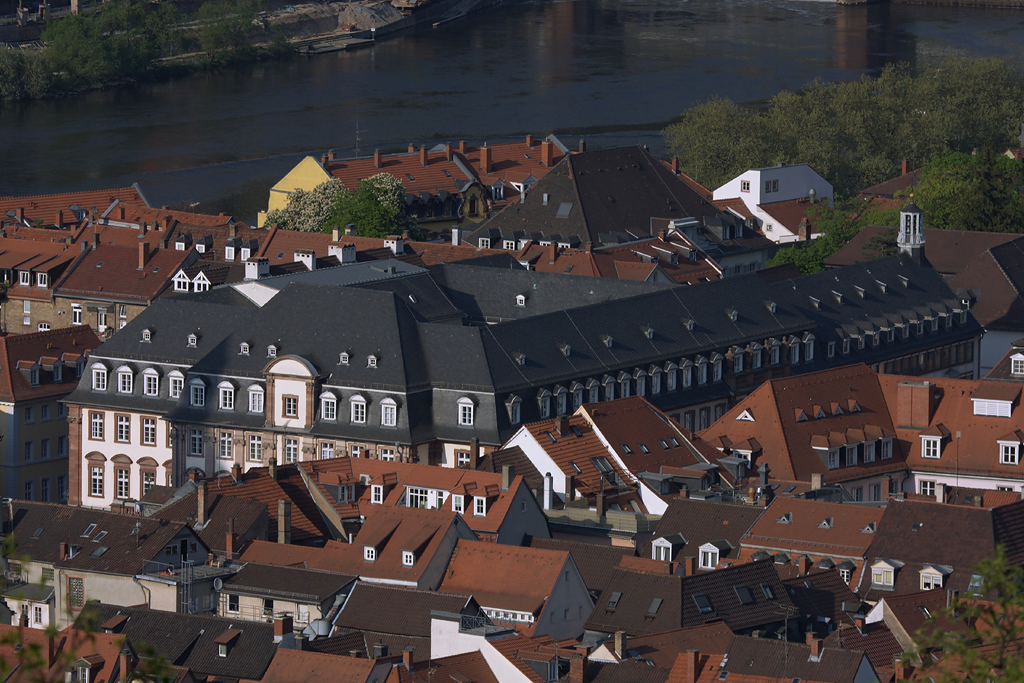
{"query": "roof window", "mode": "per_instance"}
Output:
(192, 339)
(655, 606)
(744, 594)
(613, 601)
(627, 449)
(147, 335)
(271, 351)
(88, 530)
(644, 449)
(703, 604)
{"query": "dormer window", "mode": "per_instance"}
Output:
(124, 381)
(520, 300)
(197, 394)
(181, 282)
(1009, 452)
(271, 351)
(846, 346)
(150, 382)
(930, 580)
(147, 335)
(243, 349)
(42, 280)
(369, 553)
(883, 574)
(931, 447)
(244, 253)
(357, 406)
(1017, 364)
(25, 278)
(466, 410)
(371, 361)
(408, 558)
(229, 253)
(376, 494)
(192, 340)
(514, 406)
(255, 399)
(33, 375)
(328, 407)
(343, 358)
(708, 556)
(479, 506)
(833, 459)
(227, 396)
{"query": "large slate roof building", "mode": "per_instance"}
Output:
(389, 360)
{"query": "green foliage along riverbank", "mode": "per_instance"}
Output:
(122, 40)
(855, 134)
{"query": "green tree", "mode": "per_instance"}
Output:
(24, 74)
(980, 191)
(376, 208)
(309, 211)
(839, 224)
(227, 28)
(978, 638)
(74, 48)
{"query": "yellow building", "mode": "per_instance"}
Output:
(37, 370)
(305, 176)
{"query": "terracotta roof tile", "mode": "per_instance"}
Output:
(949, 251)
(398, 611)
(301, 666)
(595, 562)
(463, 668)
(112, 273)
(44, 207)
(15, 349)
(703, 522)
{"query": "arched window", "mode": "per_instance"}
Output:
(255, 398)
(150, 382)
(466, 412)
(514, 406)
(388, 413)
(124, 380)
(197, 393)
(226, 393)
(357, 409)
(177, 383)
(328, 406)
(543, 403)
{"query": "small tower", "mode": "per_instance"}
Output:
(911, 237)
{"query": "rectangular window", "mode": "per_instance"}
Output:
(851, 456)
(76, 314)
(28, 490)
(122, 484)
(44, 412)
(744, 186)
(417, 497)
(177, 384)
(376, 494)
(479, 506)
(76, 594)
(326, 450)
(928, 488)
(148, 481)
(96, 426)
(124, 382)
(255, 401)
(291, 406)
(28, 450)
(227, 398)
(150, 385)
(62, 495)
(44, 490)
(224, 446)
(62, 445)
(387, 454)
(255, 448)
(148, 431)
(328, 408)
(466, 414)
(833, 460)
(291, 450)
(869, 451)
(96, 481)
(29, 415)
(1008, 454)
(232, 603)
(930, 448)
(358, 412)
(124, 426)
(44, 448)
(886, 449)
(388, 415)
(99, 379)
(459, 504)
(198, 395)
(195, 442)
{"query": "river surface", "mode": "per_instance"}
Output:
(613, 72)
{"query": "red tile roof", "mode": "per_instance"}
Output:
(463, 668)
(949, 251)
(307, 524)
(63, 345)
(439, 173)
(112, 273)
(44, 207)
(503, 576)
(790, 213)
(797, 526)
(303, 666)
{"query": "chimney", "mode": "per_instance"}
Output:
(563, 426)
(529, 141)
(456, 237)
(599, 501)
(804, 565)
(60, 219)
(547, 153)
(570, 488)
(448, 151)
(940, 492)
(914, 404)
(95, 240)
(485, 158)
(236, 471)
(201, 504)
(282, 628)
(330, 155)
(380, 650)
(378, 158)
(691, 566)
(255, 268)
(583, 146)
(508, 473)
(412, 148)
(814, 644)
(662, 235)
(548, 494)
(284, 521)
(675, 165)
(232, 230)
(621, 644)
(23, 621)
(905, 167)
(462, 147)
(124, 662)
(300, 641)
(407, 657)
(143, 229)
(272, 468)
(143, 255)
(688, 665)
(858, 621)
(578, 668)
(63, 551)
(423, 155)
(193, 475)
(817, 481)
(307, 257)
(350, 230)
(323, 159)
(803, 232)
(900, 672)
(230, 539)
(684, 493)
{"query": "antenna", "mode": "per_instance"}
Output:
(358, 138)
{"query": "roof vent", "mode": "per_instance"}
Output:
(687, 323)
(860, 291)
(838, 297)
(771, 306)
(815, 302)
(904, 280)
(786, 518)
(147, 335)
(826, 523)
(648, 331)
(192, 341)
(881, 285)
(565, 349)
(731, 314)
(607, 340)
(520, 358)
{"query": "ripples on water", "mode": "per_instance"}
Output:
(615, 70)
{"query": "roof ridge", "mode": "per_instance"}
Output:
(65, 194)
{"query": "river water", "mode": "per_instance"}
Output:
(611, 71)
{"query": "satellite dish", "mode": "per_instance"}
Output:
(218, 584)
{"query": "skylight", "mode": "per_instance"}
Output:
(602, 464)
(703, 604)
(627, 449)
(99, 537)
(744, 594)
(655, 606)
(664, 444)
(88, 530)
(99, 551)
(613, 601)
(575, 468)
(769, 594)
(38, 532)
(675, 443)
(644, 450)
(563, 210)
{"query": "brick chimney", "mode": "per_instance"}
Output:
(59, 219)
(201, 504)
(407, 657)
(282, 627)
(803, 232)
(230, 539)
(675, 165)
(899, 670)
(330, 155)
(914, 404)
(805, 565)
(691, 565)
(323, 159)
(462, 147)
(621, 644)
(904, 167)
(95, 240)
(858, 621)
(51, 649)
(687, 667)
(814, 644)
(570, 488)
(423, 155)
(547, 153)
(412, 148)
(193, 475)
(600, 501)
(485, 158)
(529, 141)
(236, 471)
(143, 255)
(63, 551)
(284, 521)
(272, 469)
(448, 151)
(578, 668)
(23, 621)
(378, 158)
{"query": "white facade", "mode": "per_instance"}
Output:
(782, 183)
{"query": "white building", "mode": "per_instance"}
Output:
(761, 188)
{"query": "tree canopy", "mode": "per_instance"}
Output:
(855, 134)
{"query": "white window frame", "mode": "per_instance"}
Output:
(479, 506)
(376, 494)
(458, 503)
(291, 451)
(254, 452)
(124, 381)
(150, 383)
(197, 394)
(408, 558)
(926, 487)
(931, 447)
(708, 558)
(1009, 453)
(357, 410)
(255, 399)
(176, 385)
(76, 314)
(388, 413)
(227, 397)
(466, 412)
(328, 407)
(99, 379)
